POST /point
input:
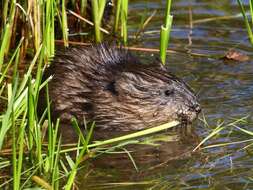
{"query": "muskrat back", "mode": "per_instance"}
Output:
(112, 87)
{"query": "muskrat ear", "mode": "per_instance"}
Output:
(111, 88)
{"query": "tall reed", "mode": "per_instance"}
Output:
(121, 18)
(165, 32)
(247, 23)
(98, 7)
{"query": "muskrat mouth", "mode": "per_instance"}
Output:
(185, 124)
(183, 118)
(186, 117)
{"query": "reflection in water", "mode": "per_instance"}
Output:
(133, 163)
(225, 90)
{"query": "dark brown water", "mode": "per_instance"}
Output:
(225, 90)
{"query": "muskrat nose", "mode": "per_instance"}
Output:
(197, 107)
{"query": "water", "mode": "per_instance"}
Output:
(225, 90)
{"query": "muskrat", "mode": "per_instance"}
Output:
(110, 86)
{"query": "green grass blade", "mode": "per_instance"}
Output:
(165, 32)
(248, 27)
(7, 116)
(136, 134)
(4, 44)
(116, 23)
(213, 133)
(124, 15)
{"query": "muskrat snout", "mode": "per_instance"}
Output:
(196, 107)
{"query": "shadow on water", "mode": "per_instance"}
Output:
(129, 166)
(225, 90)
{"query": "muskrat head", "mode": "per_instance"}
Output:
(147, 96)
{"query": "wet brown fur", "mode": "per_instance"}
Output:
(110, 86)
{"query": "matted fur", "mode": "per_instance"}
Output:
(110, 86)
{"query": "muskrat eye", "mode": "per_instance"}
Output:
(111, 87)
(169, 92)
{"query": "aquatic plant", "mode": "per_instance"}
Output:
(248, 24)
(165, 32)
